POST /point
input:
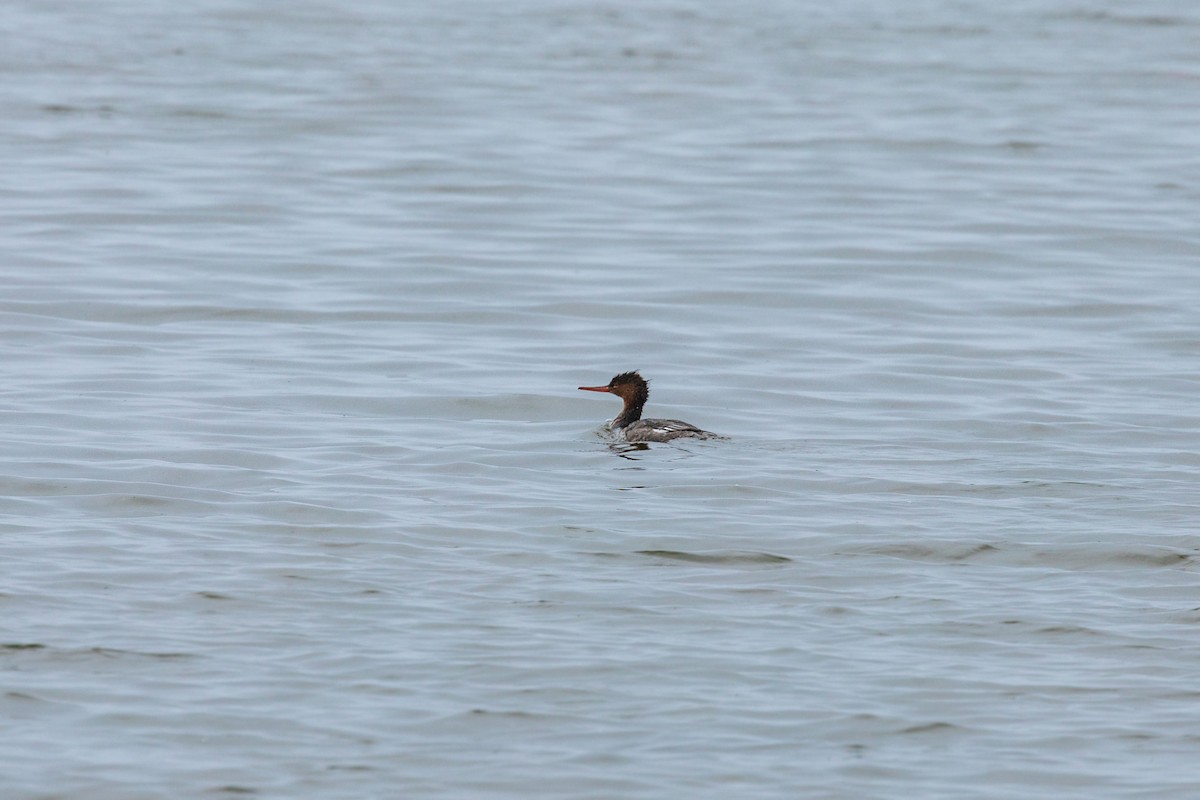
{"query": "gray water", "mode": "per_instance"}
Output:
(300, 499)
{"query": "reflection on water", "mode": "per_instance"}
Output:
(628, 449)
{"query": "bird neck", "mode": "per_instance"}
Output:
(632, 411)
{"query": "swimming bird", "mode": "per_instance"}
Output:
(629, 425)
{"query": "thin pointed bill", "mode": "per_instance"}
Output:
(595, 389)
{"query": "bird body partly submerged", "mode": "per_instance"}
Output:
(629, 425)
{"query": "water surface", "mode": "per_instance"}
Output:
(299, 498)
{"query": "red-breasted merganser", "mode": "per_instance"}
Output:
(632, 388)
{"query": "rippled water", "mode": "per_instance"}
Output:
(300, 500)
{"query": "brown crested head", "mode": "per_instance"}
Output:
(629, 386)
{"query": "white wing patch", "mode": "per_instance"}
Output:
(673, 427)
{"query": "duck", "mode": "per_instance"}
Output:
(634, 390)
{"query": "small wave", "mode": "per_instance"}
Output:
(1022, 554)
(732, 559)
